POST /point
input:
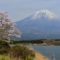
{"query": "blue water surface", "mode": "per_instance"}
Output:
(49, 51)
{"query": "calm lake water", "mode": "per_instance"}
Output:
(49, 51)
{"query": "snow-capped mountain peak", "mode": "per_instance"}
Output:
(44, 13)
(41, 25)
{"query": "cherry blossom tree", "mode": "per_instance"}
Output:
(7, 28)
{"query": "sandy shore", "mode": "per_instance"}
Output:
(39, 56)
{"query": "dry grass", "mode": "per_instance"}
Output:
(4, 57)
(7, 57)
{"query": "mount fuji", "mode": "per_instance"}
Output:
(42, 24)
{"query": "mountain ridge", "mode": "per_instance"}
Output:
(40, 27)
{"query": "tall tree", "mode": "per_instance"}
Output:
(7, 28)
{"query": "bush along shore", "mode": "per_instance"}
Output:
(15, 52)
(18, 52)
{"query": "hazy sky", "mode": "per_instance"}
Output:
(19, 9)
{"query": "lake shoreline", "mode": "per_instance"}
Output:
(39, 56)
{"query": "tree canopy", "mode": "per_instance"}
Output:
(7, 28)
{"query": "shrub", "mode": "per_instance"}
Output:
(23, 52)
(4, 47)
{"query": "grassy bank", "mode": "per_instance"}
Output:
(4, 57)
(15, 52)
(18, 52)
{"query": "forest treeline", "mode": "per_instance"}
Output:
(39, 41)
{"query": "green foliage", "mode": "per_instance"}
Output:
(27, 41)
(4, 47)
(4, 57)
(23, 52)
(15, 51)
(2, 30)
(3, 34)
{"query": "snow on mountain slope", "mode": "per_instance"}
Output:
(45, 14)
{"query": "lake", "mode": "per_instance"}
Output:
(48, 51)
